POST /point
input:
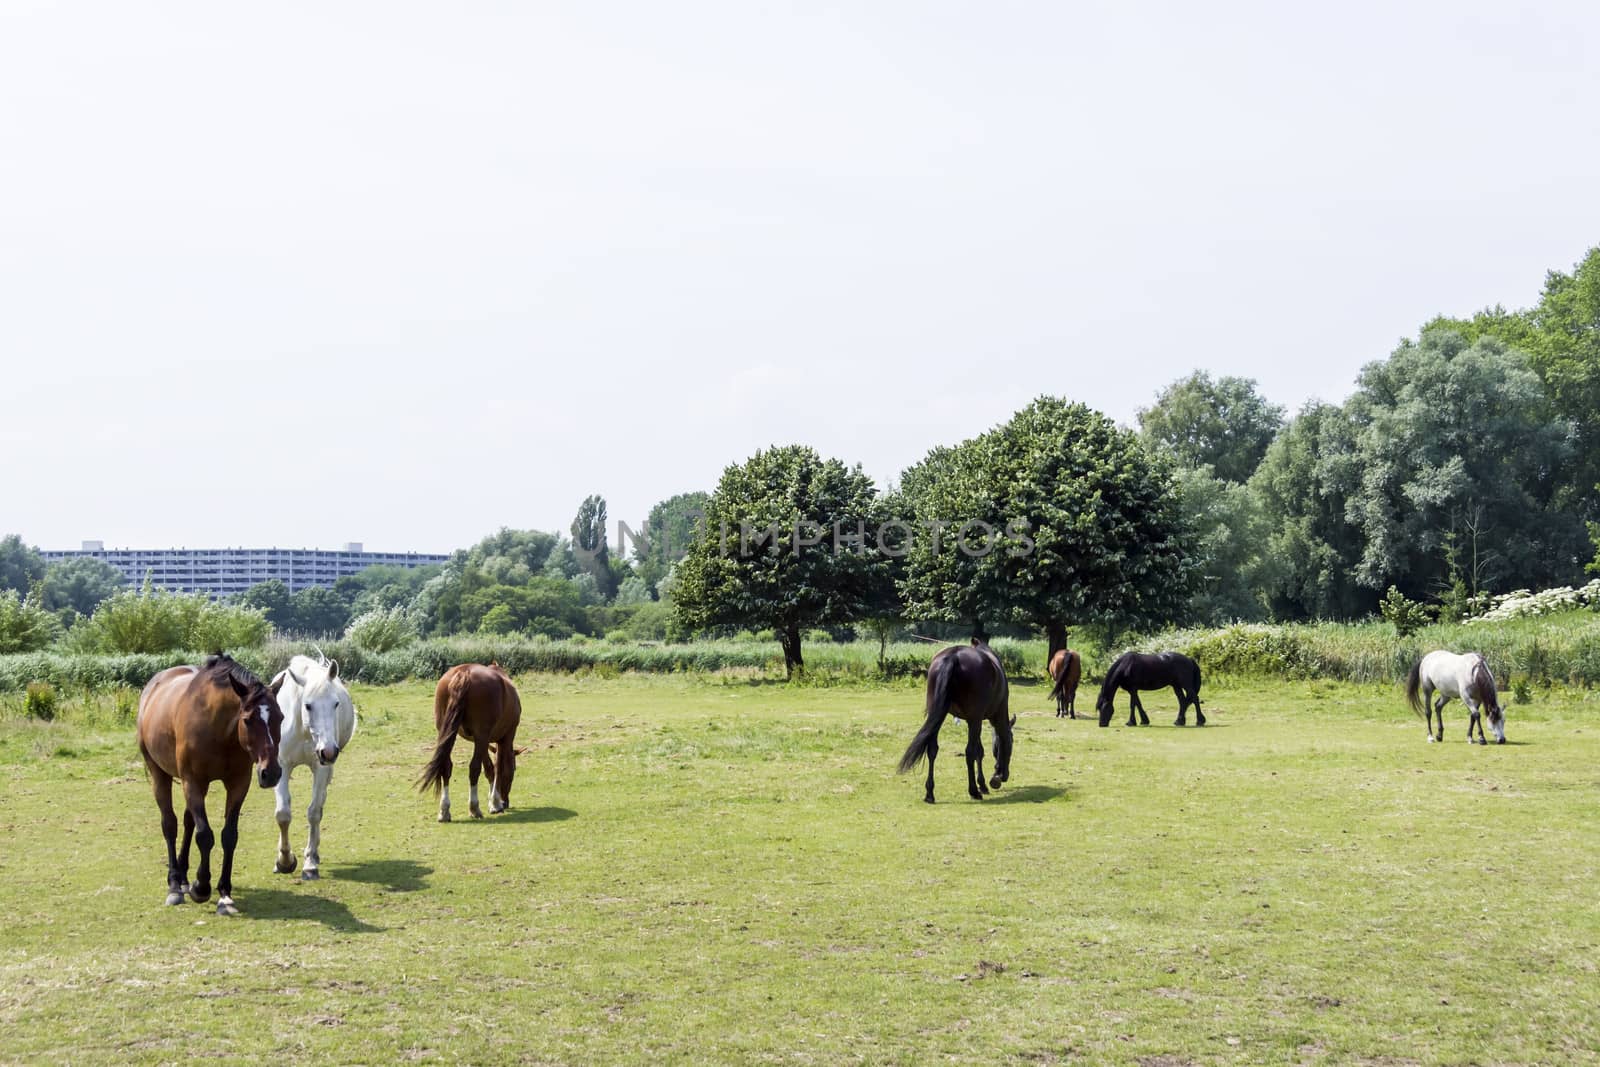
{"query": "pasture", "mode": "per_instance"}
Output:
(720, 871)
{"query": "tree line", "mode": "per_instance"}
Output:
(1465, 463)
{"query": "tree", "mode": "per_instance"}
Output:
(789, 544)
(1233, 569)
(273, 599)
(671, 527)
(1224, 424)
(1302, 487)
(319, 610)
(1057, 516)
(80, 584)
(20, 566)
(1452, 438)
(589, 544)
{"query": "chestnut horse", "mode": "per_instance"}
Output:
(200, 725)
(1066, 667)
(482, 705)
(969, 683)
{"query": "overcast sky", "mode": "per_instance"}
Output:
(404, 274)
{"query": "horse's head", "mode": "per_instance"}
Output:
(1104, 706)
(260, 727)
(1497, 718)
(323, 699)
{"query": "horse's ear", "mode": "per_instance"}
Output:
(333, 670)
(295, 678)
(277, 682)
(976, 642)
(240, 690)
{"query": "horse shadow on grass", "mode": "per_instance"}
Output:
(1028, 794)
(283, 904)
(524, 815)
(395, 876)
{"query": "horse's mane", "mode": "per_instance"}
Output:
(220, 667)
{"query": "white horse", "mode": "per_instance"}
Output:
(319, 719)
(1466, 676)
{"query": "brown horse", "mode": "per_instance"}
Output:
(970, 684)
(1066, 667)
(201, 725)
(482, 705)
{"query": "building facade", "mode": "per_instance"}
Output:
(221, 572)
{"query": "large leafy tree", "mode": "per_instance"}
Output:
(20, 566)
(1225, 424)
(1455, 442)
(1086, 527)
(770, 556)
(1302, 487)
(80, 584)
(671, 527)
(1233, 569)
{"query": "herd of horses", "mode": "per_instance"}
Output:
(219, 723)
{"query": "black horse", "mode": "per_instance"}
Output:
(1134, 671)
(967, 682)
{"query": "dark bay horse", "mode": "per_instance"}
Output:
(206, 724)
(969, 683)
(1134, 671)
(1066, 667)
(481, 705)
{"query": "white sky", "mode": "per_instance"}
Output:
(404, 273)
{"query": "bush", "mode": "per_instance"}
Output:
(24, 626)
(153, 620)
(1405, 614)
(39, 702)
(382, 630)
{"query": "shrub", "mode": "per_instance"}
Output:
(1405, 614)
(382, 630)
(39, 702)
(24, 625)
(153, 620)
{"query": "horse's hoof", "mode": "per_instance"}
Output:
(996, 782)
(444, 816)
(1179, 722)
(225, 907)
(199, 893)
(285, 866)
(477, 813)
(174, 898)
(1501, 741)
(928, 799)
(309, 875)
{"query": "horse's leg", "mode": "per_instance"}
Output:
(283, 813)
(237, 791)
(194, 795)
(505, 768)
(933, 754)
(975, 784)
(1183, 706)
(321, 775)
(183, 853)
(480, 755)
(1144, 720)
(161, 784)
(1133, 712)
(1438, 709)
(1473, 721)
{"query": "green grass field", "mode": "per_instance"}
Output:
(710, 871)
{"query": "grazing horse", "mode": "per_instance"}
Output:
(969, 683)
(1066, 667)
(1466, 676)
(482, 705)
(1134, 671)
(319, 719)
(200, 725)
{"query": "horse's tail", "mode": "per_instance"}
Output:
(455, 711)
(1068, 678)
(938, 707)
(1414, 687)
(1195, 693)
